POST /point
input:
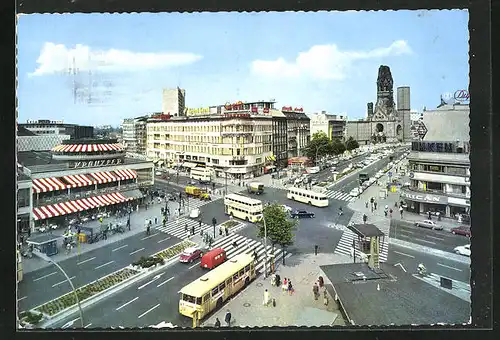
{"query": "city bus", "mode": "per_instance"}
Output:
(212, 289)
(307, 196)
(255, 188)
(202, 174)
(243, 207)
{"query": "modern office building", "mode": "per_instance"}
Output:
(334, 126)
(134, 135)
(58, 127)
(174, 102)
(439, 165)
(298, 130)
(30, 141)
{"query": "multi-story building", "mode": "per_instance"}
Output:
(334, 126)
(279, 140)
(24, 201)
(134, 135)
(30, 141)
(439, 165)
(174, 101)
(237, 142)
(298, 130)
(58, 127)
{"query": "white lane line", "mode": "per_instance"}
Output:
(443, 265)
(160, 241)
(145, 238)
(425, 241)
(434, 237)
(43, 277)
(103, 265)
(194, 265)
(161, 284)
(136, 251)
(400, 253)
(87, 260)
(90, 324)
(63, 281)
(149, 310)
(126, 245)
(69, 323)
(406, 231)
(127, 303)
(24, 297)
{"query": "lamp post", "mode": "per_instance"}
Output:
(225, 182)
(214, 223)
(265, 244)
(48, 259)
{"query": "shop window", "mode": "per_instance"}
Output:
(434, 186)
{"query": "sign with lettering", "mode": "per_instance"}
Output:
(237, 115)
(266, 110)
(461, 95)
(445, 147)
(424, 197)
(421, 130)
(162, 116)
(198, 111)
(286, 109)
(101, 162)
(235, 107)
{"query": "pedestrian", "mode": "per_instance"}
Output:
(325, 298)
(315, 291)
(278, 280)
(266, 298)
(68, 248)
(235, 245)
(375, 205)
(156, 220)
(429, 215)
(438, 214)
(290, 287)
(366, 205)
(390, 213)
(365, 218)
(186, 227)
(396, 204)
(217, 323)
(220, 231)
(137, 207)
(105, 233)
(192, 230)
(148, 230)
(128, 224)
(199, 223)
(247, 242)
(321, 282)
(401, 212)
(228, 318)
(284, 287)
(255, 255)
(227, 231)
(316, 249)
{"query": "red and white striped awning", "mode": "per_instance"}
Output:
(88, 147)
(70, 207)
(79, 180)
(126, 174)
(48, 184)
(104, 177)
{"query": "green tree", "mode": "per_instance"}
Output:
(338, 147)
(319, 144)
(280, 228)
(351, 144)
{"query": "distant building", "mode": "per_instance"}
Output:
(58, 127)
(30, 141)
(134, 134)
(334, 126)
(174, 102)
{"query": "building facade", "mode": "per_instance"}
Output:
(439, 165)
(298, 130)
(29, 141)
(174, 101)
(334, 126)
(58, 127)
(279, 140)
(134, 135)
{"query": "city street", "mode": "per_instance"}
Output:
(48, 283)
(437, 239)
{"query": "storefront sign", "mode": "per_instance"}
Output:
(291, 109)
(237, 115)
(238, 106)
(198, 111)
(462, 95)
(266, 110)
(433, 147)
(162, 116)
(101, 162)
(424, 197)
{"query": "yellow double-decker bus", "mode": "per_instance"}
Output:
(243, 207)
(209, 292)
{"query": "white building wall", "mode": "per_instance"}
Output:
(40, 143)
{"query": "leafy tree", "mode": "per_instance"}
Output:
(320, 144)
(280, 228)
(338, 147)
(351, 144)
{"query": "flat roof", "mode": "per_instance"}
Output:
(393, 297)
(365, 230)
(21, 176)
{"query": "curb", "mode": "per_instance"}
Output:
(432, 251)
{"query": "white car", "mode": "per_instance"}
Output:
(158, 173)
(354, 192)
(463, 250)
(287, 208)
(195, 213)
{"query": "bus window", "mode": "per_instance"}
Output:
(222, 286)
(228, 282)
(247, 268)
(198, 300)
(235, 276)
(241, 272)
(188, 298)
(215, 290)
(206, 297)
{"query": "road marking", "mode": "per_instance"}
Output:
(146, 312)
(443, 265)
(136, 251)
(160, 241)
(425, 241)
(145, 238)
(43, 277)
(434, 237)
(24, 297)
(127, 303)
(161, 284)
(400, 253)
(64, 281)
(87, 260)
(70, 323)
(102, 265)
(90, 324)
(194, 265)
(153, 280)
(126, 245)
(406, 232)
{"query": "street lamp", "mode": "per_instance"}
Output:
(214, 222)
(265, 244)
(48, 259)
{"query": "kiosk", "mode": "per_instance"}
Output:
(45, 243)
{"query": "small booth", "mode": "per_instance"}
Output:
(45, 243)
(93, 233)
(369, 237)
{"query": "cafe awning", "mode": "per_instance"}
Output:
(48, 184)
(104, 177)
(78, 180)
(125, 174)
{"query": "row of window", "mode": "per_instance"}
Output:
(206, 127)
(249, 203)
(237, 139)
(308, 195)
(446, 169)
(214, 151)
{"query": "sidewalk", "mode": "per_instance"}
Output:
(137, 219)
(303, 270)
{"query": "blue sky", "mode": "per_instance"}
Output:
(318, 61)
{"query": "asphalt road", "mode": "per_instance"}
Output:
(48, 283)
(437, 239)
(410, 259)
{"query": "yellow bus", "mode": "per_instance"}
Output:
(19, 266)
(243, 207)
(212, 289)
(202, 174)
(308, 196)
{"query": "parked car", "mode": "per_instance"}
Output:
(354, 192)
(462, 230)
(287, 208)
(302, 214)
(428, 224)
(190, 254)
(158, 173)
(463, 250)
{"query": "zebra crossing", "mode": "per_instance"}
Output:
(344, 247)
(339, 195)
(192, 203)
(177, 227)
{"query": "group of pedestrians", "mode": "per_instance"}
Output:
(318, 285)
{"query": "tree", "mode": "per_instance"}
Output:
(338, 147)
(351, 144)
(280, 228)
(319, 144)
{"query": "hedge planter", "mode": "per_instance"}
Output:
(229, 224)
(68, 300)
(174, 250)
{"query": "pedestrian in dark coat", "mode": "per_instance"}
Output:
(217, 323)
(316, 291)
(365, 218)
(228, 318)
(278, 280)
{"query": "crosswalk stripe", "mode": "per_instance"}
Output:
(338, 195)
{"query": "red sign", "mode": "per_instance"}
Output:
(266, 110)
(162, 116)
(254, 109)
(462, 95)
(287, 109)
(299, 109)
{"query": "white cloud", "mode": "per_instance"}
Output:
(324, 61)
(56, 58)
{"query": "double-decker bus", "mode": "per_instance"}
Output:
(202, 174)
(308, 196)
(243, 207)
(203, 295)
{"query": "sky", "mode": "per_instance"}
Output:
(97, 69)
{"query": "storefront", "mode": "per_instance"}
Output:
(422, 203)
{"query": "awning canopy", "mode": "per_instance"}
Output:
(79, 180)
(125, 174)
(104, 177)
(88, 147)
(64, 208)
(48, 184)
(133, 194)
